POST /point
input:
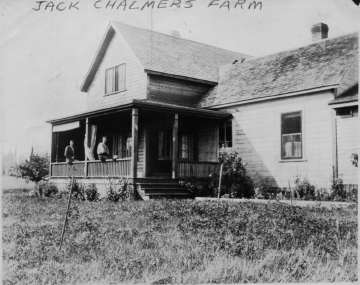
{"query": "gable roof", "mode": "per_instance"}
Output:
(166, 54)
(328, 63)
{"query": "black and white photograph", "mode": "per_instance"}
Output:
(179, 141)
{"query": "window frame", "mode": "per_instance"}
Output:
(224, 127)
(115, 79)
(191, 149)
(302, 157)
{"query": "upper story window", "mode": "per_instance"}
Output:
(291, 136)
(115, 79)
(225, 134)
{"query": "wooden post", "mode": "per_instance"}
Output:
(67, 211)
(51, 150)
(134, 141)
(175, 142)
(86, 146)
(217, 141)
(334, 144)
(57, 147)
(220, 177)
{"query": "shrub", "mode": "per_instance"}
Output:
(91, 192)
(34, 169)
(266, 190)
(304, 189)
(322, 194)
(338, 192)
(235, 180)
(118, 190)
(199, 188)
(78, 189)
(47, 189)
(353, 194)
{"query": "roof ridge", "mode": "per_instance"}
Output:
(251, 59)
(180, 38)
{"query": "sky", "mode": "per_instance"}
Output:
(45, 55)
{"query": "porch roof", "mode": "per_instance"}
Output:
(145, 105)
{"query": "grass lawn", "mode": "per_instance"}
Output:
(180, 241)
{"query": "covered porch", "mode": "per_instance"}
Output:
(145, 139)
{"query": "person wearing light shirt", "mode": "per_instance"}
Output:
(103, 150)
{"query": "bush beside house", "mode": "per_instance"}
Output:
(237, 184)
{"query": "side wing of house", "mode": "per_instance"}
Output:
(118, 78)
(289, 119)
(282, 139)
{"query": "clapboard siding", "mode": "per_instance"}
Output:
(257, 137)
(171, 90)
(348, 143)
(118, 52)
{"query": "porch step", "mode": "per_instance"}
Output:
(157, 189)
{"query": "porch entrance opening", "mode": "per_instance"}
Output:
(160, 150)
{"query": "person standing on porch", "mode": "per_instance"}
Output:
(103, 150)
(69, 152)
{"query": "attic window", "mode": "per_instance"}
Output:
(115, 79)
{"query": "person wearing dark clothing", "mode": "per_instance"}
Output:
(70, 152)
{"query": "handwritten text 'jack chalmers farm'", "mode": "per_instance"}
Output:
(138, 5)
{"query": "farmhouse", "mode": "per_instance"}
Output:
(167, 105)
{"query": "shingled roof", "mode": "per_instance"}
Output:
(162, 53)
(331, 62)
(178, 56)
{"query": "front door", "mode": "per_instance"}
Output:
(159, 152)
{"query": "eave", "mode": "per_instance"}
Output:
(181, 77)
(145, 105)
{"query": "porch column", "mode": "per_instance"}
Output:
(51, 150)
(56, 147)
(134, 141)
(175, 141)
(86, 145)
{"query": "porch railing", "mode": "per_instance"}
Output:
(197, 169)
(117, 168)
(62, 169)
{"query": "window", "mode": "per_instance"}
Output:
(291, 136)
(115, 79)
(121, 146)
(187, 147)
(225, 134)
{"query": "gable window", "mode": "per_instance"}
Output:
(115, 79)
(291, 136)
(225, 134)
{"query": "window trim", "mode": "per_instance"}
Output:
(105, 81)
(192, 146)
(224, 126)
(293, 159)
